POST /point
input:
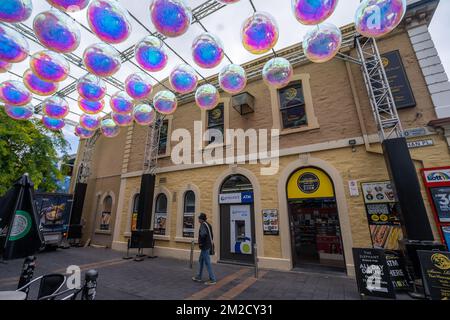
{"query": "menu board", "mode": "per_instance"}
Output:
(372, 273)
(436, 273)
(441, 199)
(271, 225)
(378, 192)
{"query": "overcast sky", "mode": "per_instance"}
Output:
(225, 24)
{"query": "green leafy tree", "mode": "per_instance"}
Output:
(29, 147)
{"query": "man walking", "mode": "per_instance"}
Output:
(206, 244)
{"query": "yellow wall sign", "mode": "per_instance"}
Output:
(310, 183)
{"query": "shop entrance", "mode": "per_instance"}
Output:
(237, 227)
(314, 221)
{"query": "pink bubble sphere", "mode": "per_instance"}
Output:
(207, 51)
(165, 102)
(102, 60)
(183, 79)
(232, 78)
(14, 93)
(311, 12)
(90, 107)
(50, 66)
(38, 86)
(121, 103)
(82, 133)
(278, 72)
(171, 18)
(322, 43)
(53, 124)
(69, 5)
(122, 120)
(207, 97)
(150, 54)
(144, 114)
(89, 122)
(91, 87)
(109, 128)
(14, 11)
(55, 107)
(259, 33)
(13, 46)
(138, 86)
(20, 112)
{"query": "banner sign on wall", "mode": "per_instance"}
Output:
(271, 224)
(372, 273)
(436, 273)
(236, 198)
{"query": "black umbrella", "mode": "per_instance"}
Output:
(20, 235)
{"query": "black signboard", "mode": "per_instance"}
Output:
(441, 199)
(398, 80)
(436, 273)
(397, 270)
(372, 273)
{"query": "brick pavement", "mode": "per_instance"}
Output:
(170, 279)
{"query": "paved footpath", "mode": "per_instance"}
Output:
(169, 279)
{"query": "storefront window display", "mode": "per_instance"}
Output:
(160, 215)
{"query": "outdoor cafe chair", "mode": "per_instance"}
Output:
(49, 285)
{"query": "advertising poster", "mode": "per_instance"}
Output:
(378, 192)
(105, 221)
(270, 222)
(241, 232)
(441, 199)
(436, 273)
(160, 223)
(188, 225)
(54, 211)
(446, 232)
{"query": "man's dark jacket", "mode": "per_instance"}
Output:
(204, 238)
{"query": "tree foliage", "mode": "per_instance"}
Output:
(29, 147)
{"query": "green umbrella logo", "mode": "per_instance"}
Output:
(21, 225)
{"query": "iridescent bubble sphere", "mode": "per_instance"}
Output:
(122, 120)
(259, 33)
(5, 66)
(89, 122)
(82, 133)
(14, 11)
(138, 86)
(183, 79)
(50, 66)
(278, 72)
(232, 79)
(207, 51)
(69, 5)
(376, 18)
(20, 112)
(121, 102)
(56, 31)
(38, 86)
(55, 107)
(150, 54)
(172, 18)
(207, 97)
(102, 60)
(165, 102)
(14, 93)
(322, 43)
(91, 107)
(144, 114)
(312, 12)
(109, 21)
(53, 124)
(13, 46)
(109, 128)
(91, 87)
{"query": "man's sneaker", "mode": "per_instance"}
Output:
(196, 279)
(210, 283)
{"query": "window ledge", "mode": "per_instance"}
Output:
(161, 238)
(103, 232)
(185, 240)
(285, 132)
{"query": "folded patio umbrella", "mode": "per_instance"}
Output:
(20, 235)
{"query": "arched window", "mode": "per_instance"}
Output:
(189, 215)
(160, 215)
(236, 183)
(134, 213)
(105, 218)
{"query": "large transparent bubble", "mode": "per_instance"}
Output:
(311, 12)
(5, 66)
(14, 93)
(207, 97)
(144, 114)
(376, 18)
(14, 11)
(183, 79)
(91, 87)
(259, 33)
(278, 72)
(90, 107)
(55, 107)
(38, 86)
(150, 54)
(109, 128)
(20, 112)
(121, 103)
(165, 102)
(109, 21)
(207, 51)
(53, 124)
(138, 86)
(82, 133)
(122, 120)
(89, 122)
(322, 43)
(56, 31)
(13, 46)
(102, 60)
(232, 79)
(50, 66)
(172, 18)
(69, 5)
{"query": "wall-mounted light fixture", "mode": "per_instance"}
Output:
(244, 103)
